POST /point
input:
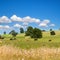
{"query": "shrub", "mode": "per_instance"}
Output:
(37, 33)
(11, 38)
(4, 32)
(21, 30)
(14, 39)
(1, 37)
(29, 31)
(50, 29)
(50, 40)
(13, 33)
(52, 33)
(33, 33)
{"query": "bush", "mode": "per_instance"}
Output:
(21, 30)
(11, 38)
(29, 31)
(33, 33)
(14, 39)
(37, 33)
(4, 32)
(35, 39)
(1, 37)
(13, 33)
(52, 33)
(50, 40)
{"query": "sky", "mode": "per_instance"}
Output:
(43, 14)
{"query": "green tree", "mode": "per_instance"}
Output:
(4, 32)
(52, 33)
(21, 30)
(29, 31)
(50, 29)
(13, 33)
(37, 33)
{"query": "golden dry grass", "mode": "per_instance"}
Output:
(11, 53)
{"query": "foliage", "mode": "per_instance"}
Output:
(50, 29)
(1, 37)
(34, 33)
(26, 42)
(21, 30)
(37, 33)
(12, 38)
(43, 30)
(13, 33)
(29, 31)
(4, 32)
(52, 33)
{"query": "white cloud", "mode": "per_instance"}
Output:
(4, 27)
(26, 19)
(4, 19)
(37, 21)
(15, 18)
(25, 24)
(44, 23)
(52, 25)
(18, 26)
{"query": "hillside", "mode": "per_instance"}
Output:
(26, 42)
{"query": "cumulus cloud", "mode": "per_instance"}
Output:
(25, 24)
(4, 19)
(44, 23)
(15, 18)
(26, 19)
(4, 27)
(52, 25)
(18, 26)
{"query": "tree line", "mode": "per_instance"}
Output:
(34, 33)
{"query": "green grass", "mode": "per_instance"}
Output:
(25, 48)
(26, 42)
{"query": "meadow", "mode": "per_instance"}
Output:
(25, 48)
(26, 42)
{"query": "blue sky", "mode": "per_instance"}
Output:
(44, 14)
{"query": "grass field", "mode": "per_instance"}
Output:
(11, 53)
(25, 48)
(26, 42)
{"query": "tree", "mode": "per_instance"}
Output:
(43, 30)
(21, 30)
(37, 33)
(13, 33)
(52, 33)
(50, 29)
(29, 31)
(4, 32)
(1, 37)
